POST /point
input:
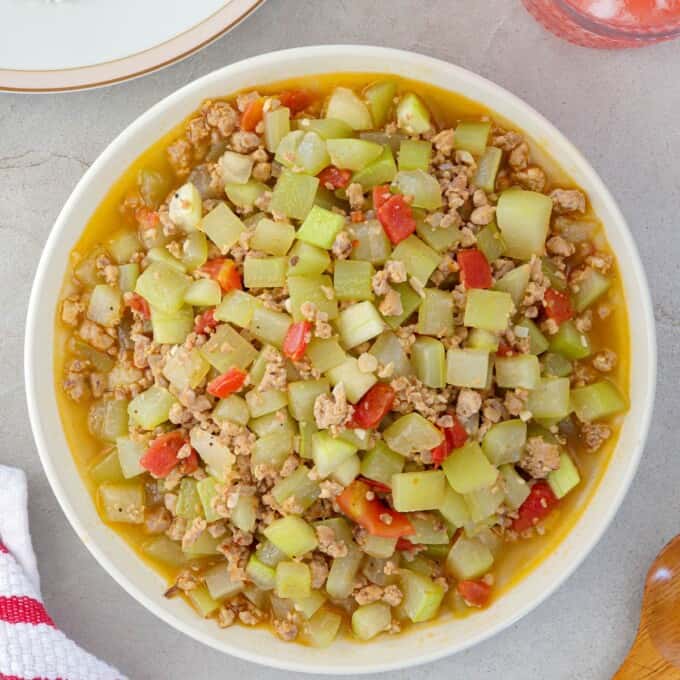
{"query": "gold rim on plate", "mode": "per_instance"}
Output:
(134, 65)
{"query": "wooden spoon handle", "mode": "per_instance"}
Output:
(644, 662)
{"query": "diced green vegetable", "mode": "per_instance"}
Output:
(352, 280)
(599, 400)
(439, 238)
(323, 627)
(276, 127)
(274, 238)
(550, 399)
(203, 293)
(348, 471)
(286, 151)
(235, 167)
(207, 493)
(186, 207)
(127, 277)
(372, 243)
(123, 245)
(591, 287)
(467, 367)
(264, 272)
(556, 365)
(380, 99)
(325, 353)
(420, 260)
(515, 488)
(538, 343)
(266, 401)
(370, 620)
(185, 368)
(353, 154)
(524, 220)
(305, 259)
(469, 469)
(312, 153)
(329, 453)
(237, 307)
(298, 486)
(429, 360)
(162, 254)
(345, 105)
(490, 242)
(515, 282)
(320, 227)
(310, 289)
(244, 513)
(151, 408)
(293, 195)
(565, 478)
(411, 433)
(292, 535)
(487, 169)
(422, 186)
(454, 509)
(569, 342)
(422, 596)
(268, 326)
(378, 546)
(105, 306)
(220, 584)
(245, 195)
(469, 558)
(189, 503)
(412, 491)
(410, 301)
(415, 154)
(472, 136)
(302, 395)
(202, 602)
(503, 442)
(358, 323)
(194, 250)
(163, 287)
(356, 382)
(277, 421)
(327, 128)
(107, 469)
(435, 314)
(380, 463)
(522, 370)
(226, 348)
(107, 419)
(388, 350)
(293, 579)
(343, 571)
(222, 226)
(478, 338)
(412, 115)
(214, 453)
(172, 328)
(162, 549)
(381, 171)
(488, 309)
(272, 449)
(483, 503)
(122, 502)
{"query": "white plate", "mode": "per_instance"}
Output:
(419, 643)
(48, 45)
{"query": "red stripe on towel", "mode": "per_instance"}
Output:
(2, 548)
(23, 609)
(16, 677)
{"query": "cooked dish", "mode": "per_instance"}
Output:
(343, 355)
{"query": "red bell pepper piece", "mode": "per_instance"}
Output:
(161, 456)
(405, 544)
(295, 100)
(396, 217)
(206, 321)
(371, 513)
(454, 438)
(373, 406)
(475, 593)
(252, 115)
(475, 271)
(504, 350)
(381, 194)
(147, 217)
(334, 178)
(227, 383)
(557, 305)
(374, 484)
(224, 271)
(296, 340)
(189, 464)
(138, 304)
(540, 501)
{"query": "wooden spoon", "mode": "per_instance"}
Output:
(655, 653)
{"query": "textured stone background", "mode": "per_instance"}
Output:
(619, 108)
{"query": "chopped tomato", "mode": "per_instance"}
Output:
(454, 438)
(540, 501)
(189, 464)
(373, 406)
(557, 305)
(370, 514)
(296, 340)
(475, 593)
(504, 350)
(396, 217)
(161, 456)
(334, 178)
(227, 383)
(474, 269)
(405, 544)
(206, 321)
(147, 217)
(295, 100)
(357, 216)
(381, 194)
(224, 271)
(252, 115)
(374, 484)
(138, 304)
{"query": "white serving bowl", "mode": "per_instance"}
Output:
(420, 643)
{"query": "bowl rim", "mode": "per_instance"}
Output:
(32, 349)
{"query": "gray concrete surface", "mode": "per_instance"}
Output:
(621, 110)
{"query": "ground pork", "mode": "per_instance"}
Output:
(413, 395)
(328, 543)
(368, 594)
(319, 571)
(95, 335)
(469, 402)
(558, 245)
(355, 196)
(181, 157)
(71, 309)
(516, 402)
(221, 116)
(532, 178)
(332, 410)
(568, 200)
(157, 520)
(604, 361)
(391, 304)
(275, 376)
(595, 435)
(285, 629)
(540, 457)
(342, 246)
(482, 215)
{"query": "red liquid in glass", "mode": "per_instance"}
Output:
(609, 23)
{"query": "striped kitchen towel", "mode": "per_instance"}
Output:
(31, 646)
